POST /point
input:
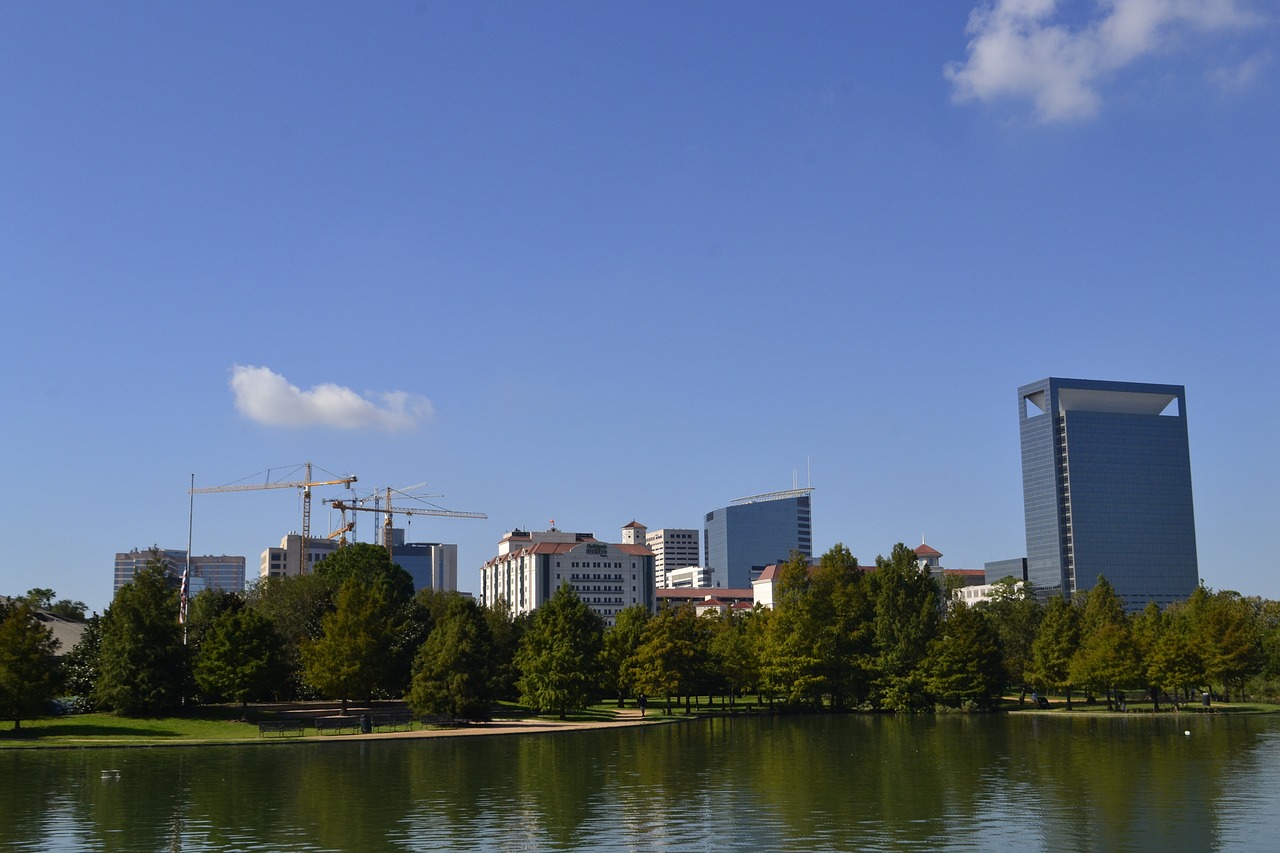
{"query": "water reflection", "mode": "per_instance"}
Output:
(816, 783)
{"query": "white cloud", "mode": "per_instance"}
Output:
(1025, 48)
(1234, 78)
(265, 396)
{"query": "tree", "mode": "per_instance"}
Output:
(734, 657)
(295, 606)
(620, 643)
(349, 658)
(907, 619)
(369, 564)
(451, 671)
(671, 659)
(1055, 643)
(559, 655)
(505, 631)
(965, 663)
(1108, 656)
(42, 598)
(1016, 615)
(28, 670)
(241, 657)
(80, 665)
(142, 662)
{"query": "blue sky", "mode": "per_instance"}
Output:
(597, 262)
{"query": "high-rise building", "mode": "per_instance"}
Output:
(286, 561)
(530, 567)
(432, 565)
(207, 571)
(1106, 482)
(739, 540)
(672, 549)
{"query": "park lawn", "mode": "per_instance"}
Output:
(111, 730)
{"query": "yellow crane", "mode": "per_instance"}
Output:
(304, 484)
(387, 508)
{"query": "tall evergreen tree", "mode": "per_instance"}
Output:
(29, 675)
(620, 643)
(451, 671)
(142, 662)
(965, 663)
(349, 659)
(559, 655)
(672, 658)
(241, 657)
(1055, 643)
(907, 619)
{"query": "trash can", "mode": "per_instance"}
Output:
(1204, 699)
(365, 725)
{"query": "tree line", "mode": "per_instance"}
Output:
(839, 637)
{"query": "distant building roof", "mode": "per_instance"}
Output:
(926, 551)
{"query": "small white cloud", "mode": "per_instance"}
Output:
(1024, 48)
(265, 396)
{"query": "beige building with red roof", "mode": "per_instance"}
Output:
(607, 576)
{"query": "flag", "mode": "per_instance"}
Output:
(182, 597)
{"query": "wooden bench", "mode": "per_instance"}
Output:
(281, 728)
(441, 721)
(337, 725)
(392, 722)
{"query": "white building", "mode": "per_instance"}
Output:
(689, 577)
(672, 548)
(286, 561)
(530, 567)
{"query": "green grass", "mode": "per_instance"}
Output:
(110, 730)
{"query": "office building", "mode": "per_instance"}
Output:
(286, 561)
(1106, 480)
(672, 549)
(741, 539)
(207, 572)
(432, 565)
(530, 567)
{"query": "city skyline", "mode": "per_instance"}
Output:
(603, 264)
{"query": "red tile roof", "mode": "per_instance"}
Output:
(926, 551)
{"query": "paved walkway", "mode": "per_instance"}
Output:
(625, 717)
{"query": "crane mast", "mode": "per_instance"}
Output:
(304, 484)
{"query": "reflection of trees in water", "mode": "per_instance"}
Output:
(830, 782)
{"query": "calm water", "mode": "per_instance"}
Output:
(821, 783)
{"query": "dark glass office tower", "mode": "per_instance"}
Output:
(739, 540)
(1106, 485)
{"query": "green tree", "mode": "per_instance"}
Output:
(1231, 641)
(369, 564)
(965, 663)
(1107, 657)
(735, 660)
(1171, 661)
(241, 657)
(672, 658)
(42, 598)
(620, 643)
(907, 606)
(296, 607)
(559, 655)
(349, 658)
(142, 662)
(506, 631)
(451, 671)
(28, 669)
(1054, 645)
(80, 664)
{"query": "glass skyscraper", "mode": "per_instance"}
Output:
(750, 533)
(1106, 484)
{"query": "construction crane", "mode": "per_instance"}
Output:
(304, 484)
(387, 508)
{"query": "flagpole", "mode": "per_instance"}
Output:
(186, 571)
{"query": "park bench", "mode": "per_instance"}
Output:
(281, 728)
(337, 725)
(393, 722)
(441, 721)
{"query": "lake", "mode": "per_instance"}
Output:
(1013, 782)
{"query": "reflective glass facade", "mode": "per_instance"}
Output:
(741, 539)
(1106, 478)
